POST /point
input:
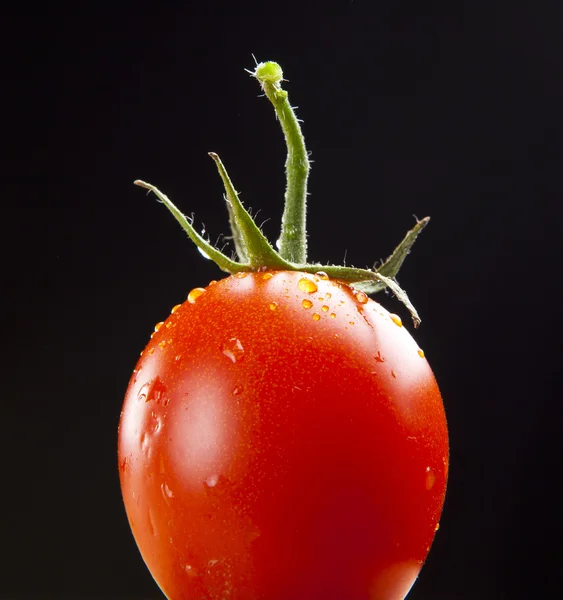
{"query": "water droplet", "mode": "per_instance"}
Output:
(212, 480)
(328, 295)
(175, 308)
(233, 349)
(273, 305)
(166, 492)
(421, 353)
(306, 303)
(204, 253)
(212, 562)
(241, 275)
(396, 319)
(321, 275)
(151, 524)
(142, 396)
(437, 527)
(267, 276)
(352, 322)
(162, 344)
(158, 325)
(333, 315)
(195, 294)
(169, 324)
(361, 297)
(123, 463)
(150, 350)
(430, 478)
(306, 285)
(393, 374)
(324, 308)
(316, 316)
(177, 357)
(378, 357)
(191, 571)
(144, 442)
(238, 390)
(212, 282)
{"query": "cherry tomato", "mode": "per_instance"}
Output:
(283, 437)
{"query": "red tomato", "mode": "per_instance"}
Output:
(283, 437)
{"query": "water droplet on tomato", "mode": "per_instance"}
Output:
(177, 357)
(267, 276)
(421, 353)
(333, 315)
(151, 524)
(437, 527)
(316, 316)
(396, 319)
(162, 344)
(212, 480)
(156, 423)
(430, 478)
(150, 350)
(306, 285)
(142, 396)
(195, 294)
(175, 308)
(167, 493)
(241, 275)
(321, 275)
(361, 297)
(273, 305)
(144, 441)
(324, 308)
(233, 349)
(378, 357)
(158, 325)
(238, 390)
(306, 303)
(393, 374)
(328, 296)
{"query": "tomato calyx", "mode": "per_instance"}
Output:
(254, 251)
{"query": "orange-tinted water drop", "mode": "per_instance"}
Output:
(396, 319)
(195, 294)
(306, 285)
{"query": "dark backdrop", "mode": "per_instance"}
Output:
(452, 109)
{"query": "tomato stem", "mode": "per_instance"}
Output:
(292, 243)
(254, 251)
(222, 261)
(256, 246)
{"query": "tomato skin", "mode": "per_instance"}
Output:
(270, 450)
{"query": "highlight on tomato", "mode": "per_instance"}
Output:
(283, 435)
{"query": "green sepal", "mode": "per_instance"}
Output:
(256, 246)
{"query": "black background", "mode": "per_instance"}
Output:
(452, 109)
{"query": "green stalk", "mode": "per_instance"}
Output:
(292, 243)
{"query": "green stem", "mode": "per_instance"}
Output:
(256, 247)
(292, 243)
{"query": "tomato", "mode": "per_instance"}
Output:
(283, 437)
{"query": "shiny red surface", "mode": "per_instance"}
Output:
(270, 450)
